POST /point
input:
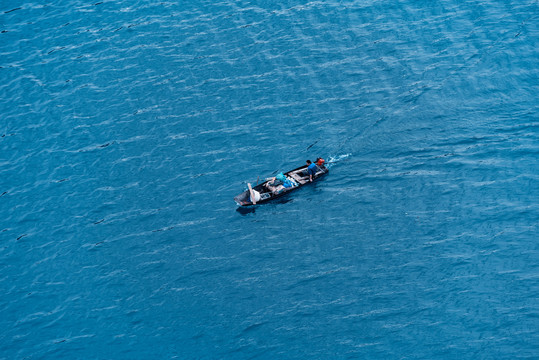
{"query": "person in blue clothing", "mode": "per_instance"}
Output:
(311, 170)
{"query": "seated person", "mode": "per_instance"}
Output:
(319, 162)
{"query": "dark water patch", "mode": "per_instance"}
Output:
(12, 10)
(56, 49)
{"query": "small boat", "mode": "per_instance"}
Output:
(266, 191)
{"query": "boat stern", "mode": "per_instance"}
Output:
(243, 199)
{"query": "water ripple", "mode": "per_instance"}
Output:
(127, 128)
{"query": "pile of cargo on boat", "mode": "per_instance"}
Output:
(282, 184)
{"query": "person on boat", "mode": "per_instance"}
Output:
(311, 170)
(279, 183)
(320, 162)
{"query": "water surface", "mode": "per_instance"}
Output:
(128, 127)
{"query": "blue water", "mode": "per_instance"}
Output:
(127, 127)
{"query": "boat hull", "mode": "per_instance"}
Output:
(299, 175)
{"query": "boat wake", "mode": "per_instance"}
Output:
(332, 160)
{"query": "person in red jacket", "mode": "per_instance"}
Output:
(320, 162)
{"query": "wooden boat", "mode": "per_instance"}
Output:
(298, 177)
